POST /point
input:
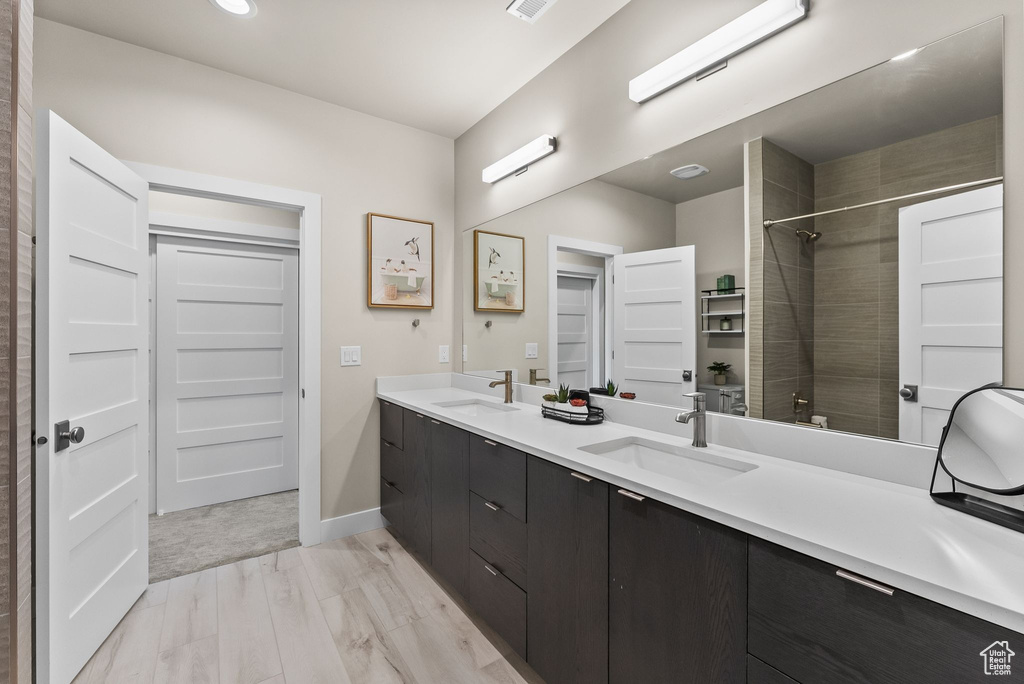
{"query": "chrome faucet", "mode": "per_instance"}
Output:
(507, 382)
(699, 415)
(533, 376)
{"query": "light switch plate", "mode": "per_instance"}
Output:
(531, 350)
(351, 356)
(443, 354)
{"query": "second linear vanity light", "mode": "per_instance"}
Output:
(520, 159)
(745, 31)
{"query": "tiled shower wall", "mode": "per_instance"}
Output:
(16, 266)
(856, 283)
(786, 291)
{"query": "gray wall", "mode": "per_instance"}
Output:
(856, 303)
(593, 211)
(582, 99)
(714, 225)
(149, 107)
(787, 289)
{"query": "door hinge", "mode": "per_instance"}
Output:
(303, 392)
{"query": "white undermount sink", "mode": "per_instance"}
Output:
(475, 407)
(686, 464)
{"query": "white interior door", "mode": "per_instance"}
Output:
(655, 336)
(951, 305)
(92, 553)
(227, 371)
(575, 320)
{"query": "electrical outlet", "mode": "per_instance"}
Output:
(531, 350)
(443, 356)
(351, 356)
(465, 353)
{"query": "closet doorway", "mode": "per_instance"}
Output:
(227, 371)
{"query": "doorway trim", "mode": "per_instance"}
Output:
(560, 243)
(308, 206)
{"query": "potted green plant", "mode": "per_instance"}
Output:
(612, 388)
(563, 394)
(550, 400)
(720, 369)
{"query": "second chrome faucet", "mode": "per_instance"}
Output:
(699, 416)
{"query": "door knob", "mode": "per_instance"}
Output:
(75, 435)
(65, 435)
(909, 393)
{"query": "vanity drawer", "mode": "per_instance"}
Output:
(392, 464)
(760, 673)
(816, 626)
(498, 538)
(392, 507)
(391, 424)
(498, 474)
(500, 603)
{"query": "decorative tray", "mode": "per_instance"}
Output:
(593, 416)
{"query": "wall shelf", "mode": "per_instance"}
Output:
(733, 308)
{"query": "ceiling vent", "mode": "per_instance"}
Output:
(529, 10)
(689, 171)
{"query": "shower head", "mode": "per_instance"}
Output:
(809, 236)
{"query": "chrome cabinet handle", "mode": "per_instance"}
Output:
(418, 415)
(631, 495)
(487, 441)
(581, 476)
(435, 422)
(387, 443)
(489, 569)
(864, 582)
(389, 484)
(493, 506)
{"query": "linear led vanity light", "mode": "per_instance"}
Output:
(763, 21)
(520, 159)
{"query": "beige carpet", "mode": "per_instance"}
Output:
(199, 538)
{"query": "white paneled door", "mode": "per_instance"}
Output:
(92, 554)
(575, 332)
(227, 357)
(951, 305)
(655, 338)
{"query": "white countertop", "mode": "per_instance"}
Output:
(892, 533)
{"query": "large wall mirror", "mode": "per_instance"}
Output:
(871, 317)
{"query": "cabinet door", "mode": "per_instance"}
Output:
(392, 506)
(816, 625)
(567, 560)
(677, 596)
(417, 498)
(391, 428)
(449, 499)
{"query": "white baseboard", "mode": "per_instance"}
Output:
(353, 523)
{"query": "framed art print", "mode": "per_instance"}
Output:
(400, 262)
(499, 272)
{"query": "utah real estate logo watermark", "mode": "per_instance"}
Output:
(997, 658)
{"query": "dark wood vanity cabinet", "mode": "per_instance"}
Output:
(449, 500)
(392, 424)
(567, 583)
(677, 598)
(416, 516)
(815, 625)
(594, 584)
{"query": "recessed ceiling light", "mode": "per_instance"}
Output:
(237, 8)
(904, 55)
(689, 171)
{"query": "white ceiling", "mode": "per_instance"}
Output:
(950, 82)
(436, 65)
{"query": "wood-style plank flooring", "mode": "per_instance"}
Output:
(355, 610)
